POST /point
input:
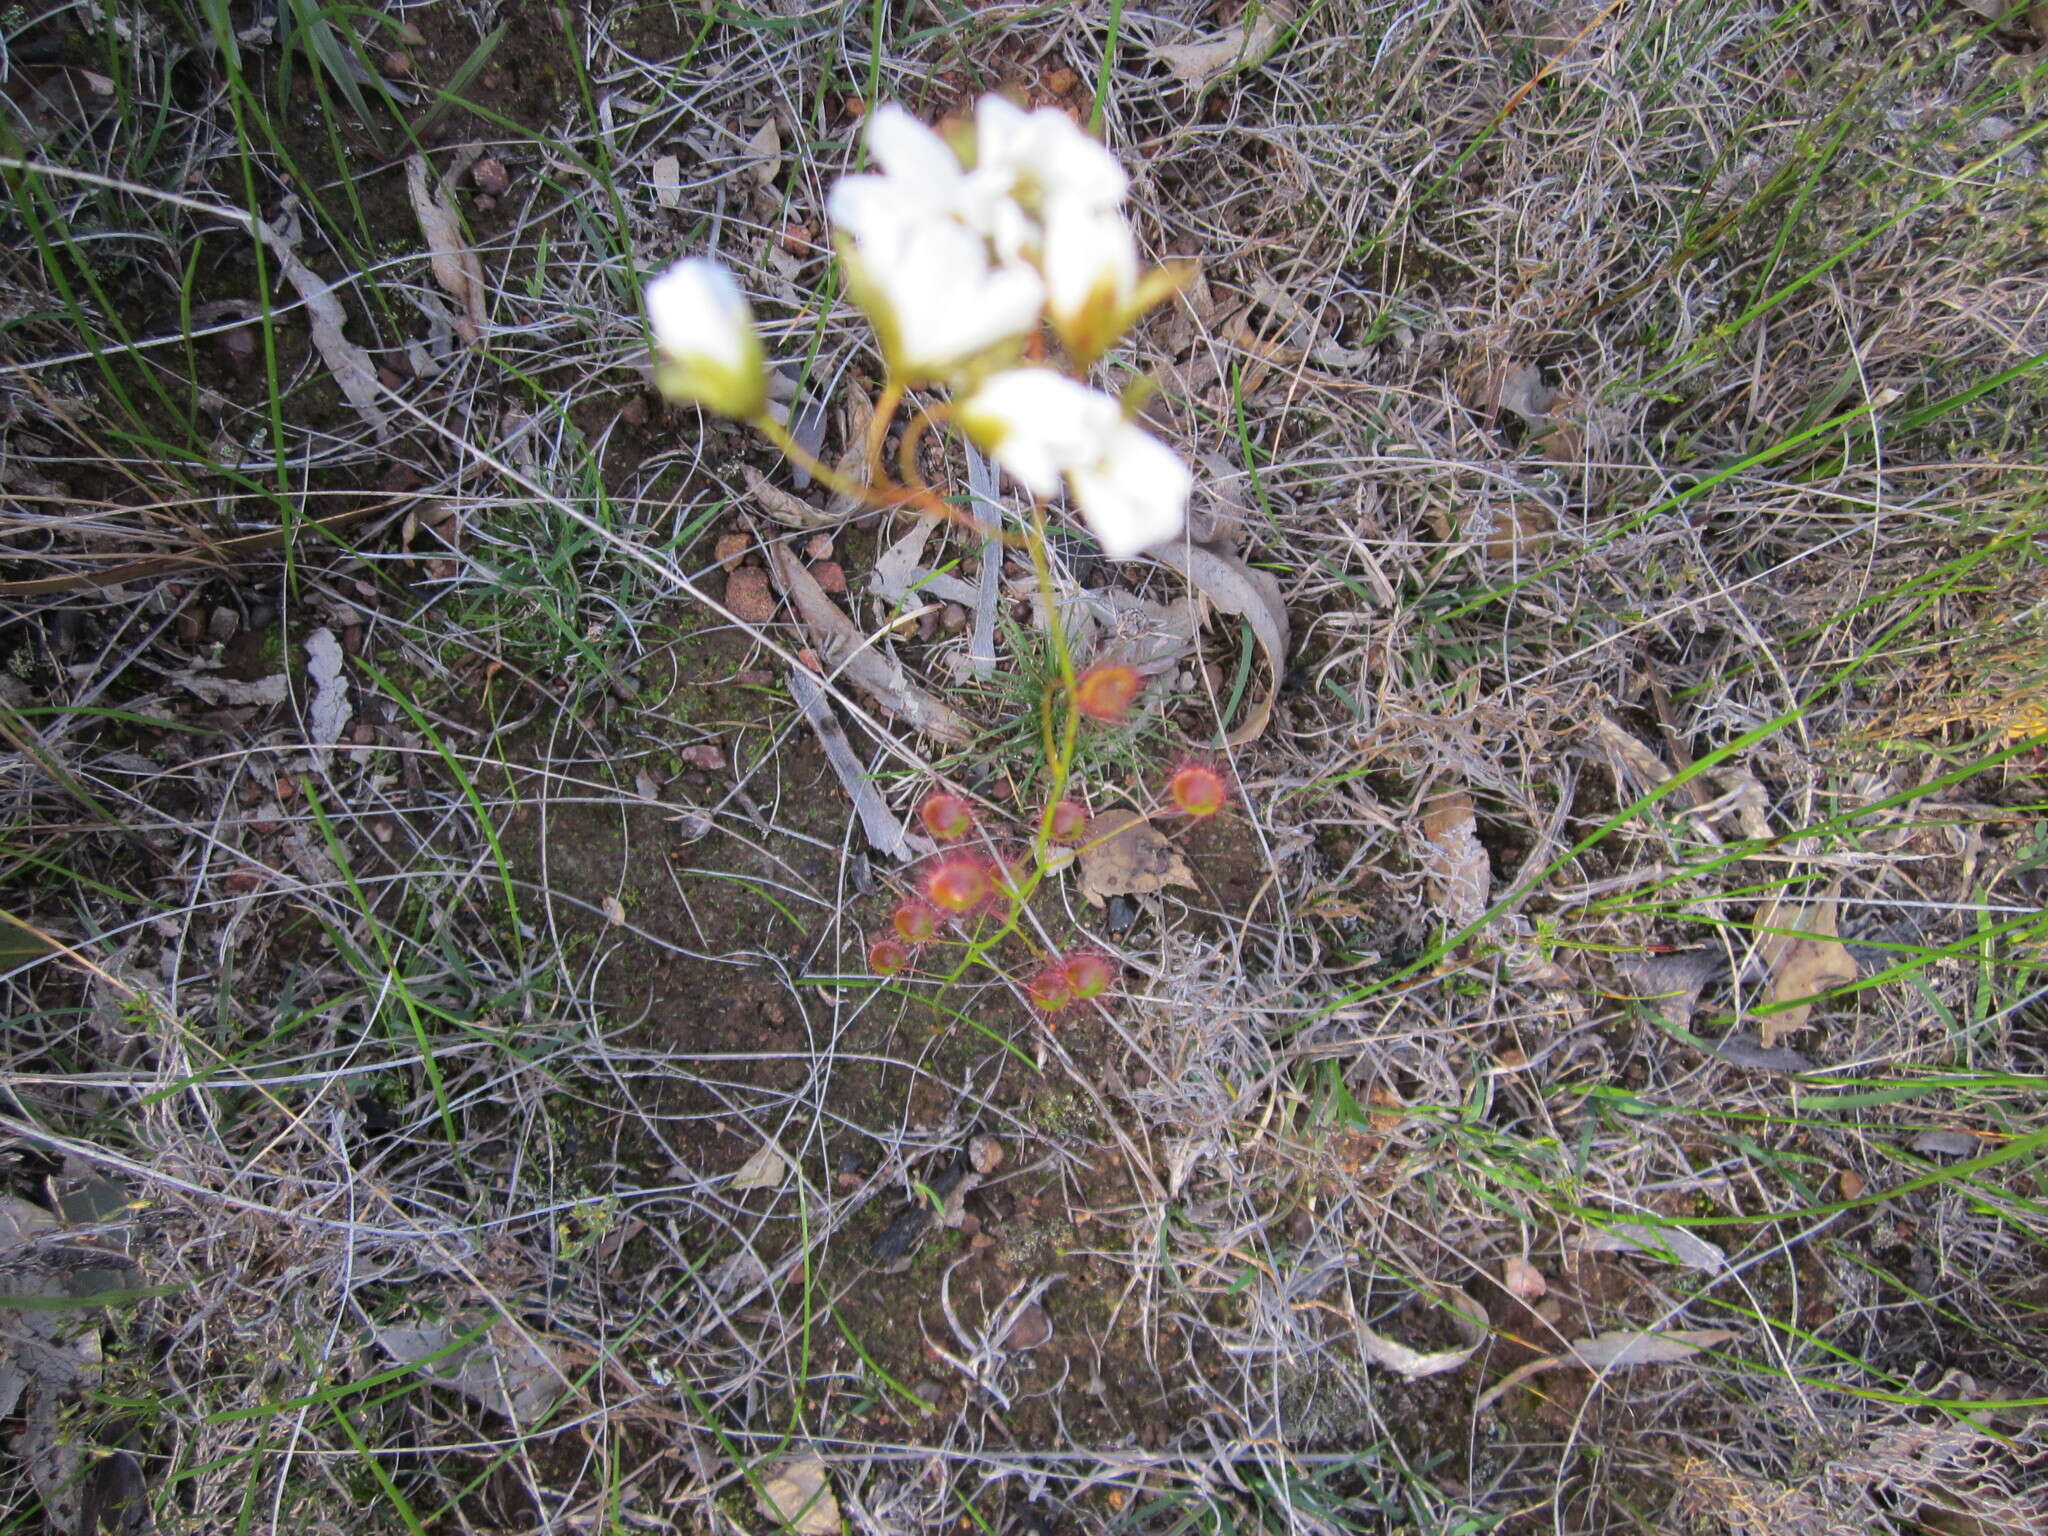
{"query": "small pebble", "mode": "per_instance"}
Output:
(490, 176)
(831, 576)
(985, 1154)
(953, 619)
(749, 596)
(731, 548)
(819, 547)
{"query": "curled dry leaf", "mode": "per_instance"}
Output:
(327, 714)
(764, 153)
(1244, 46)
(505, 1370)
(1467, 1317)
(1459, 877)
(846, 653)
(766, 1169)
(1522, 1279)
(666, 175)
(1673, 1243)
(1615, 1350)
(798, 1494)
(1123, 854)
(787, 508)
(1806, 959)
(455, 265)
(350, 364)
(1235, 588)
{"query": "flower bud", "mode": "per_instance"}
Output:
(1065, 821)
(1089, 973)
(1049, 990)
(947, 817)
(915, 921)
(705, 348)
(1196, 789)
(1105, 691)
(957, 883)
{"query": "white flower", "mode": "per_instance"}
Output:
(1135, 494)
(704, 341)
(1090, 262)
(1041, 158)
(925, 281)
(914, 156)
(1040, 425)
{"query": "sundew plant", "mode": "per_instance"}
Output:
(964, 252)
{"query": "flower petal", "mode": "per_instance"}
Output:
(912, 154)
(1135, 495)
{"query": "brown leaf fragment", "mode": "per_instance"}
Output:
(455, 265)
(506, 1370)
(786, 507)
(353, 371)
(848, 654)
(1672, 981)
(1455, 865)
(1123, 854)
(1244, 46)
(798, 1494)
(1806, 959)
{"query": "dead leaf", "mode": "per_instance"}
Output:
(455, 265)
(327, 714)
(1673, 981)
(848, 654)
(230, 692)
(766, 1169)
(505, 1369)
(1235, 588)
(1245, 46)
(614, 911)
(1123, 854)
(350, 364)
(1467, 1317)
(787, 508)
(1523, 1279)
(1947, 1144)
(1615, 1350)
(1619, 1348)
(1455, 865)
(764, 153)
(1673, 1243)
(667, 177)
(797, 1493)
(1806, 959)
